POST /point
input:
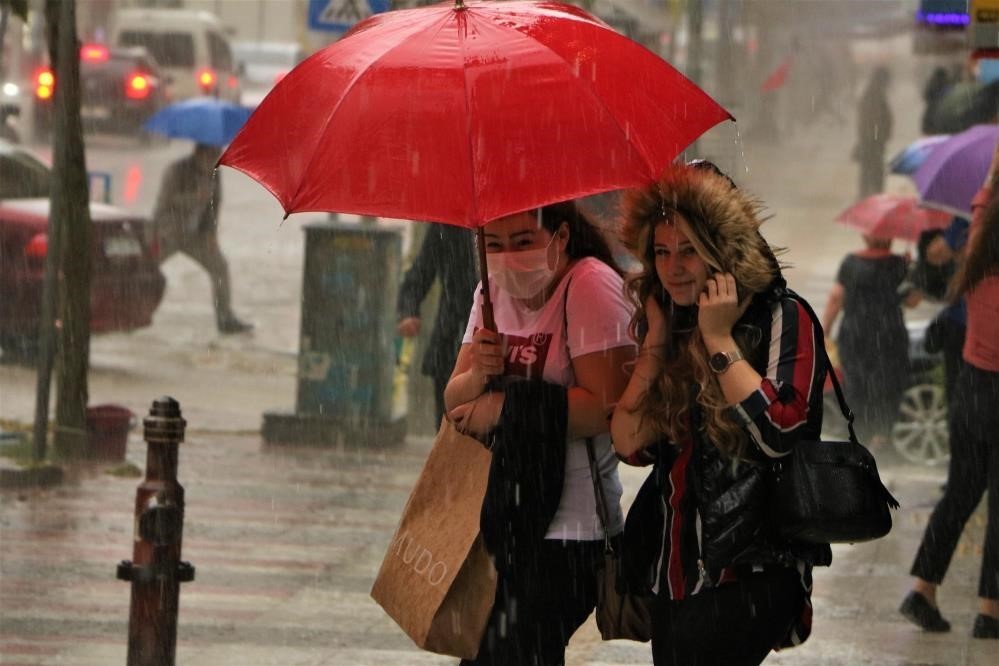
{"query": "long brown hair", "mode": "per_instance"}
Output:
(585, 239)
(722, 224)
(982, 259)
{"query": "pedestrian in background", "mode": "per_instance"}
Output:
(559, 307)
(186, 219)
(946, 332)
(446, 256)
(974, 433)
(873, 342)
(726, 380)
(936, 89)
(874, 125)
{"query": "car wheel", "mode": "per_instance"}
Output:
(920, 431)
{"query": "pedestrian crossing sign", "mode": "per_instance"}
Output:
(341, 15)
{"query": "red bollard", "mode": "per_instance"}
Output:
(156, 570)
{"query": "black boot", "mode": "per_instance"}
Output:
(985, 626)
(233, 324)
(918, 610)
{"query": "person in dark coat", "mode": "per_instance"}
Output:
(936, 89)
(186, 219)
(726, 380)
(873, 341)
(447, 255)
(874, 125)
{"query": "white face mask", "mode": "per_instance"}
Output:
(521, 274)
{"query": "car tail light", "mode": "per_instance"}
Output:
(44, 84)
(232, 81)
(137, 85)
(37, 247)
(94, 53)
(207, 78)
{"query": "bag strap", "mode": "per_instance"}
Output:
(603, 513)
(598, 491)
(824, 357)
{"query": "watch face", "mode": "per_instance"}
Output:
(718, 362)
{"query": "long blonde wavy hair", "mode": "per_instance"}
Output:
(722, 225)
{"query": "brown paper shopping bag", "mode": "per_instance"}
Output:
(437, 580)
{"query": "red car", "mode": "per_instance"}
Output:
(127, 282)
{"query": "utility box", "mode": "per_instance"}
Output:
(347, 360)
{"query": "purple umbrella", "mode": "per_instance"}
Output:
(955, 169)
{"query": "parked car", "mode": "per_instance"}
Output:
(262, 64)
(919, 433)
(120, 88)
(24, 175)
(127, 284)
(190, 45)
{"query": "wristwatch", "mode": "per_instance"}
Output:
(719, 362)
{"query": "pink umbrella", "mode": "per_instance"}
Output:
(892, 216)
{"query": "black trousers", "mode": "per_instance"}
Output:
(537, 611)
(974, 466)
(733, 625)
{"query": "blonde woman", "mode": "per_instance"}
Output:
(727, 379)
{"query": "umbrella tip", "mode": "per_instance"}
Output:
(286, 214)
(459, 4)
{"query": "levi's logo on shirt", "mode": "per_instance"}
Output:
(525, 356)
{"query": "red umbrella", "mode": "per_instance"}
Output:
(892, 216)
(465, 113)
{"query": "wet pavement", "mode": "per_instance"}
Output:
(287, 541)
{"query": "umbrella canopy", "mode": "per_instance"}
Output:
(201, 119)
(955, 169)
(464, 113)
(910, 158)
(892, 216)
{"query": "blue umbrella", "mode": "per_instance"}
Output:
(910, 158)
(200, 119)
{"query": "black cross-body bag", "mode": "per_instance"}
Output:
(829, 491)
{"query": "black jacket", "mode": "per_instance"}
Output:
(526, 475)
(447, 253)
(732, 498)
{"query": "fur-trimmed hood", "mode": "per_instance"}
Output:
(725, 219)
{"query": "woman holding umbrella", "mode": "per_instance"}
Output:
(562, 318)
(726, 379)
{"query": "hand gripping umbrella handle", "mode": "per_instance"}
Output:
(487, 303)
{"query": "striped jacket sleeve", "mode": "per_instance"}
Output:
(775, 413)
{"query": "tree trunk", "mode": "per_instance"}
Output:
(70, 218)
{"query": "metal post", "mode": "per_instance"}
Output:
(156, 570)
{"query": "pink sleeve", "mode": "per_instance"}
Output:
(474, 316)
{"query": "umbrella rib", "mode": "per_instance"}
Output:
(347, 90)
(473, 214)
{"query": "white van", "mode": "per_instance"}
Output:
(190, 46)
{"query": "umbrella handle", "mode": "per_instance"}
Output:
(487, 303)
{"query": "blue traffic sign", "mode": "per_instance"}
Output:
(341, 15)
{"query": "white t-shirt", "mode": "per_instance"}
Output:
(598, 315)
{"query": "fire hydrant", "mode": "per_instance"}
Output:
(156, 570)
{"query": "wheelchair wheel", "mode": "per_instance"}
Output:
(920, 431)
